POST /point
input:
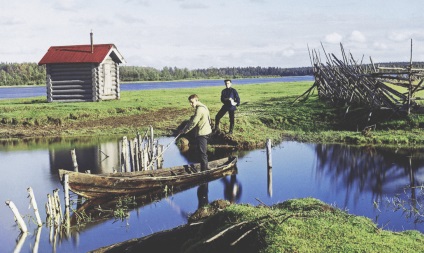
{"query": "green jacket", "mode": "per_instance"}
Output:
(201, 120)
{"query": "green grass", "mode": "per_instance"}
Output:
(301, 225)
(266, 111)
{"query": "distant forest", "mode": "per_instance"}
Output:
(13, 74)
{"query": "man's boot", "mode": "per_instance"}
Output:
(216, 128)
(231, 129)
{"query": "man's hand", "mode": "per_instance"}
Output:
(233, 102)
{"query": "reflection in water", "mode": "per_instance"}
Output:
(101, 158)
(232, 188)
(202, 195)
(350, 177)
(381, 171)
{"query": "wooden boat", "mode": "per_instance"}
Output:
(130, 183)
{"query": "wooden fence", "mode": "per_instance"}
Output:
(349, 82)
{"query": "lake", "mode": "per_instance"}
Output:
(26, 91)
(361, 180)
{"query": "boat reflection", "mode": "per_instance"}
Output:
(94, 211)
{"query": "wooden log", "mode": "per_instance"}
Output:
(18, 217)
(49, 88)
(34, 206)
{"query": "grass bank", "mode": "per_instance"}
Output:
(301, 225)
(266, 111)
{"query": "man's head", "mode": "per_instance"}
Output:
(227, 83)
(194, 100)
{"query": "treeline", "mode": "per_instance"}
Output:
(12, 74)
(135, 73)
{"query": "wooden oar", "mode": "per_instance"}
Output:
(163, 151)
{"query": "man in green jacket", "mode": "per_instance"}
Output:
(201, 121)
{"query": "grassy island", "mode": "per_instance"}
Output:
(302, 225)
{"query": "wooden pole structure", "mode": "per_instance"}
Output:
(145, 159)
(57, 201)
(48, 207)
(66, 189)
(34, 206)
(152, 139)
(410, 82)
(74, 160)
(131, 154)
(136, 155)
(161, 154)
(18, 217)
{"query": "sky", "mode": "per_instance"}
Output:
(216, 33)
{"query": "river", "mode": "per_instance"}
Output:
(361, 180)
(35, 91)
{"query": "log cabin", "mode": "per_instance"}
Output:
(82, 72)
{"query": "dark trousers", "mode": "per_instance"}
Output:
(202, 148)
(221, 113)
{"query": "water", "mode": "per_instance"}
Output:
(25, 92)
(356, 179)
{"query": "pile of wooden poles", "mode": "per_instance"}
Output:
(141, 153)
(55, 220)
(349, 82)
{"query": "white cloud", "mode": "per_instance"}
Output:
(379, 46)
(399, 36)
(218, 33)
(288, 52)
(333, 38)
(357, 36)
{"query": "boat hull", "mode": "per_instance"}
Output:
(130, 183)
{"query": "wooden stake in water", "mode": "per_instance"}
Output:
(66, 189)
(74, 160)
(18, 217)
(57, 201)
(34, 206)
(269, 152)
(269, 162)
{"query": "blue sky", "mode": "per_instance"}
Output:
(215, 33)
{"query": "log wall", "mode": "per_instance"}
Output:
(79, 82)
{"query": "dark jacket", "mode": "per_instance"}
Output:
(228, 93)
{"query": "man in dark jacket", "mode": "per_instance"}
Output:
(230, 100)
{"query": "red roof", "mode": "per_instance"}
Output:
(79, 54)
